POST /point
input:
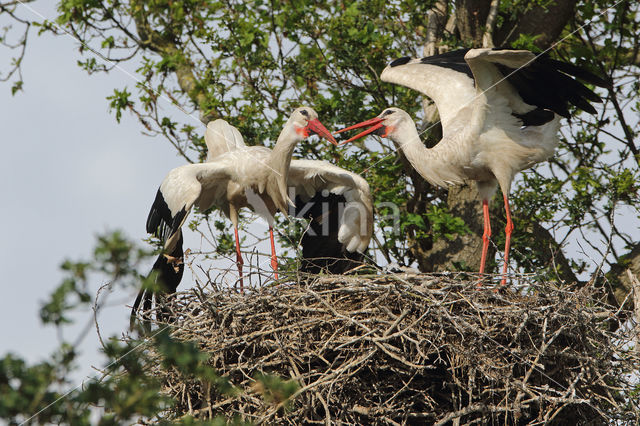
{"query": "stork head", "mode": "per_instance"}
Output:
(384, 125)
(305, 122)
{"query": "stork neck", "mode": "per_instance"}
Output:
(408, 140)
(280, 161)
(440, 165)
(281, 153)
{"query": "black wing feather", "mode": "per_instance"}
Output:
(551, 84)
(548, 84)
(321, 250)
(576, 71)
(160, 222)
(536, 117)
(453, 60)
(169, 266)
(169, 271)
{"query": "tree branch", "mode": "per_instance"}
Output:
(436, 20)
(163, 45)
(619, 278)
(435, 23)
(471, 16)
(554, 255)
(487, 37)
(636, 299)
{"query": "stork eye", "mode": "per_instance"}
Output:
(305, 113)
(387, 112)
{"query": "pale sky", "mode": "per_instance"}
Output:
(69, 171)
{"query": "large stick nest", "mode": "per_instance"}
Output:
(410, 349)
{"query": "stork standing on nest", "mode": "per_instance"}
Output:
(500, 112)
(236, 176)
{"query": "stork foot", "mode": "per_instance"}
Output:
(274, 258)
(239, 261)
(274, 265)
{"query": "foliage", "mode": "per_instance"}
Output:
(251, 63)
(124, 392)
(594, 175)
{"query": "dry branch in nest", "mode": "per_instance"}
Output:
(410, 349)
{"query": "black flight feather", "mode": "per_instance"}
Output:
(169, 271)
(321, 250)
(546, 83)
(160, 222)
(400, 61)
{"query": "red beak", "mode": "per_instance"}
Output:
(375, 123)
(315, 126)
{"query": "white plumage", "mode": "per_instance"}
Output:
(500, 112)
(262, 179)
(223, 180)
(221, 137)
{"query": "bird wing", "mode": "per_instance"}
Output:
(495, 87)
(221, 137)
(355, 222)
(532, 88)
(179, 191)
(445, 78)
(535, 87)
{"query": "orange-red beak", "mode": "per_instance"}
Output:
(375, 123)
(315, 126)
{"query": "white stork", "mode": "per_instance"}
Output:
(236, 176)
(500, 112)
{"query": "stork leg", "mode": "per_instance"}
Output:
(507, 245)
(274, 259)
(239, 260)
(485, 238)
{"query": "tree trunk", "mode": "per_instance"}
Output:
(471, 17)
(463, 252)
(619, 278)
(546, 23)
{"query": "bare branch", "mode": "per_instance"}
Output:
(418, 348)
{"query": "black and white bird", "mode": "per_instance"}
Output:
(500, 112)
(266, 181)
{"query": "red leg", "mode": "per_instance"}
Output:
(274, 259)
(508, 230)
(239, 260)
(485, 237)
